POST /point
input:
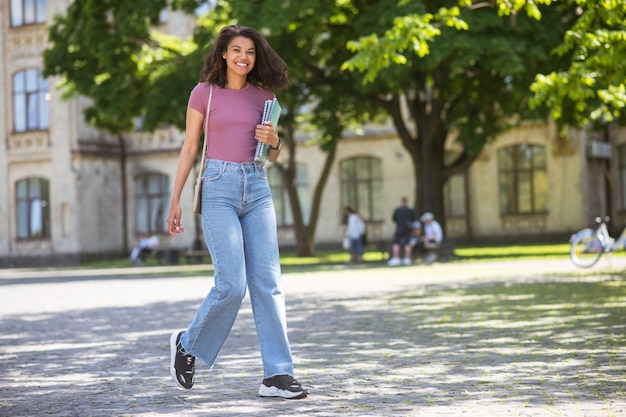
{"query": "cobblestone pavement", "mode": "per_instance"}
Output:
(369, 340)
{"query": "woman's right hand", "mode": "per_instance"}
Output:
(174, 225)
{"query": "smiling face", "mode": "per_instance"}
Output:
(240, 56)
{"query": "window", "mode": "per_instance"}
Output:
(284, 213)
(33, 212)
(454, 194)
(27, 12)
(362, 187)
(30, 101)
(621, 161)
(152, 193)
(523, 179)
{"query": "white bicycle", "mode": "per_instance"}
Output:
(588, 245)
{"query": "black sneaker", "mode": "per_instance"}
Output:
(284, 386)
(182, 364)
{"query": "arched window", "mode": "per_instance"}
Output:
(362, 187)
(152, 193)
(30, 101)
(284, 214)
(33, 211)
(27, 12)
(523, 179)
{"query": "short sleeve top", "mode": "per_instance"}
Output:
(234, 115)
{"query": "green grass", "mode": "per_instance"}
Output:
(513, 252)
(468, 253)
(327, 259)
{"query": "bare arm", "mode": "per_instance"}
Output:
(186, 160)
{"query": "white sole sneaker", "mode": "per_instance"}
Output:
(282, 386)
(282, 393)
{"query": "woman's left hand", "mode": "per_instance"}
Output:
(265, 133)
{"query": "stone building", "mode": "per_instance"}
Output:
(69, 192)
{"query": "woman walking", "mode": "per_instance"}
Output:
(238, 218)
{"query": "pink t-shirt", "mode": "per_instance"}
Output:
(234, 116)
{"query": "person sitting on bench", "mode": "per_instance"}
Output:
(147, 244)
(431, 237)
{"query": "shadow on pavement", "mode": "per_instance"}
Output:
(533, 347)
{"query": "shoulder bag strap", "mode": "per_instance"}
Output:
(206, 133)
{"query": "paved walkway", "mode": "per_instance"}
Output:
(433, 340)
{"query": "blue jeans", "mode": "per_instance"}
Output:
(356, 246)
(239, 225)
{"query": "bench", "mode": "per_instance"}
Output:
(382, 246)
(172, 256)
(167, 256)
(195, 256)
(443, 251)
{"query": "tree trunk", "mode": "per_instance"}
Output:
(289, 176)
(305, 234)
(426, 147)
(316, 202)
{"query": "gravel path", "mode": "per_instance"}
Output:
(523, 338)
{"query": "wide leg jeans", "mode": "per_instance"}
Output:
(239, 226)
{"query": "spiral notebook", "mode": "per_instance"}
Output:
(271, 113)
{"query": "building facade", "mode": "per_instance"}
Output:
(69, 192)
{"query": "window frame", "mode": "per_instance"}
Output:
(155, 209)
(32, 100)
(350, 188)
(513, 178)
(26, 204)
(31, 12)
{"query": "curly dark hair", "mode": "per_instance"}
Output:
(270, 71)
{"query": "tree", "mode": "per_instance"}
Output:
(470, 74)
(585, 78)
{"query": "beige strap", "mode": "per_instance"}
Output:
(206, 133)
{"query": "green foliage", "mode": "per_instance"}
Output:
(95, 49)
(109, 51)
(113, 53)
(312, 41)
(593, 87)
(412, 33)
(415, 32)
(588, 86)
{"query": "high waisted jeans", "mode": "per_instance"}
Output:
(239, 225)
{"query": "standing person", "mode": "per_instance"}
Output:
(238, 216)
(403, 217)
(354, 232)
(431, 237)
